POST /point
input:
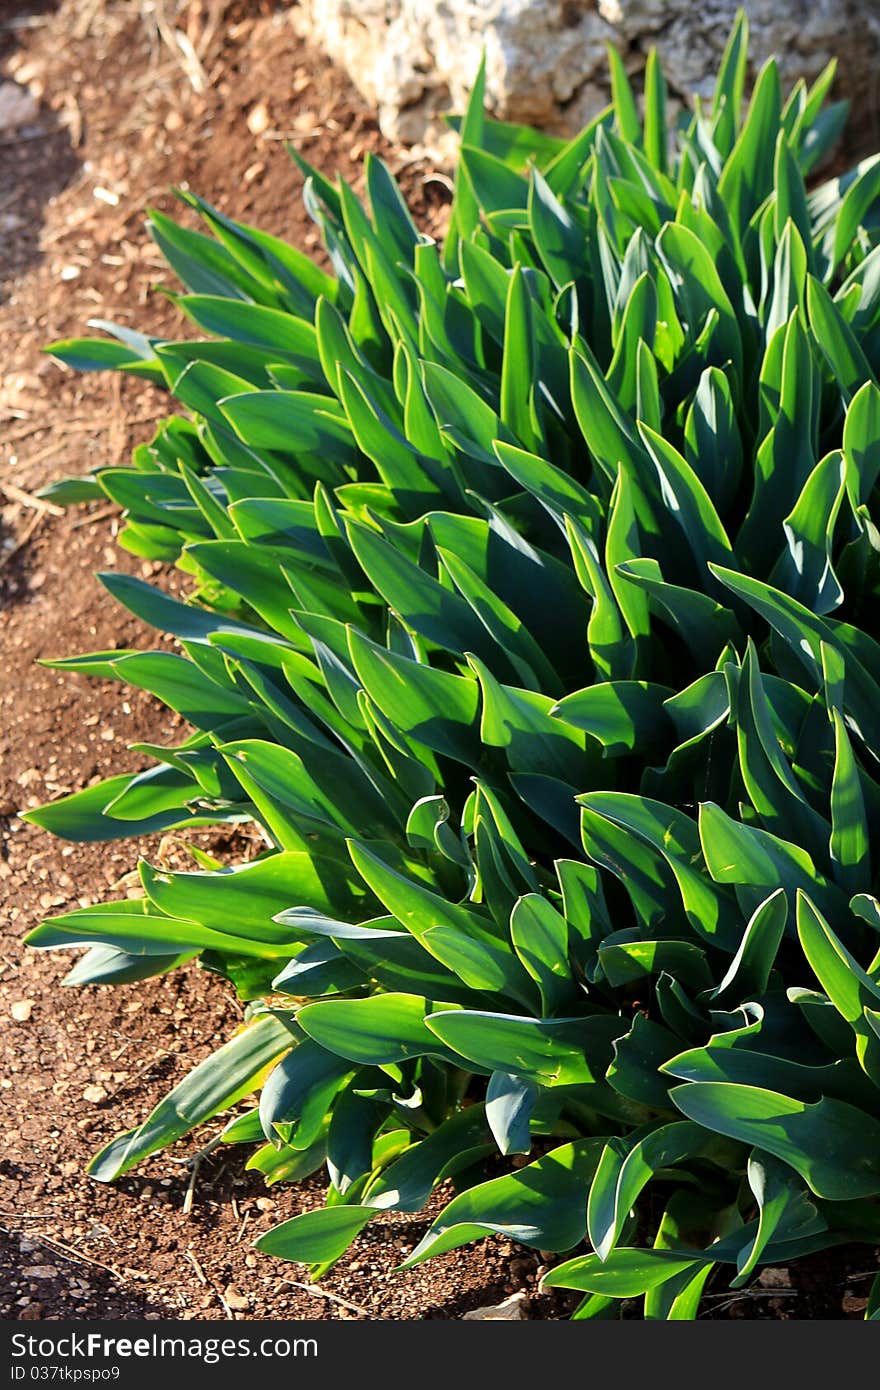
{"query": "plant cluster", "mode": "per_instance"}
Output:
(533, 622)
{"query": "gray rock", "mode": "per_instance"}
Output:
(17, 106)
(414, 60)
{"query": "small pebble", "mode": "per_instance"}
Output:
(258, 118)
(853, 1303)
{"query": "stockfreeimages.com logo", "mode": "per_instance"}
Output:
(96, 1346)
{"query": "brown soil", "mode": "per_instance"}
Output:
(119, 123)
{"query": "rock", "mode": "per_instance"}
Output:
(771, 1278)
(17, 106)
(39, 1272)
(852, 1303)
(510, 1310)
(237, 1301)
(21, 1010)
(94, 1094)
(258, 119)
(414, 60)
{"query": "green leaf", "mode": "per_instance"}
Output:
(638, 1055)
(625, 961)
(161, 611)
(427, 704)
(768, 777)
(291, 422)
(381, 1030)
(804, 633)
(319, 969)
(327, 789)
(253, 894)
(688, 500)
(782, 1205)
(850, 838)
(69, 492)
(621, 715)
(806, 569)
(755, 859)
(560, 494)
(106, 965)
(541, 1205)
(609, 435)
(625, 1168)
(655, 112)
(315, 1237)
(831, 1144)
(626, 115)
(622, 543)
(676, 838)
(713, 446)
(698, 286)
(727, 98)
(703, 624)
(519, 721)
(540, 938)
(557, 237)
(748, 174)
(82, 816)
(848, 363)
(625, 1274)
(145, 933)
(103, 354)
(502, 624)
(509, 1105)
(610, 646)
(291, 337)
(462, 415)
(684, 1222)
(748, 974)
(850, 989)
(559, 1052)
(432, 610)
(861, 443)
(861, 196)
(481, 965)
(518, 363)
(299, 1092)
(460, 1141)
(218, 1083)
(411, 902)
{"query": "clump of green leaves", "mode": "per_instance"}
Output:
(533, 619)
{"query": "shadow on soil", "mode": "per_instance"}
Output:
(38, 1281)
(37, 159)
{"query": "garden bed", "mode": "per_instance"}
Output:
(58, 731)
(119, 123)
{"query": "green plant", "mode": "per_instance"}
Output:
(533, 622)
